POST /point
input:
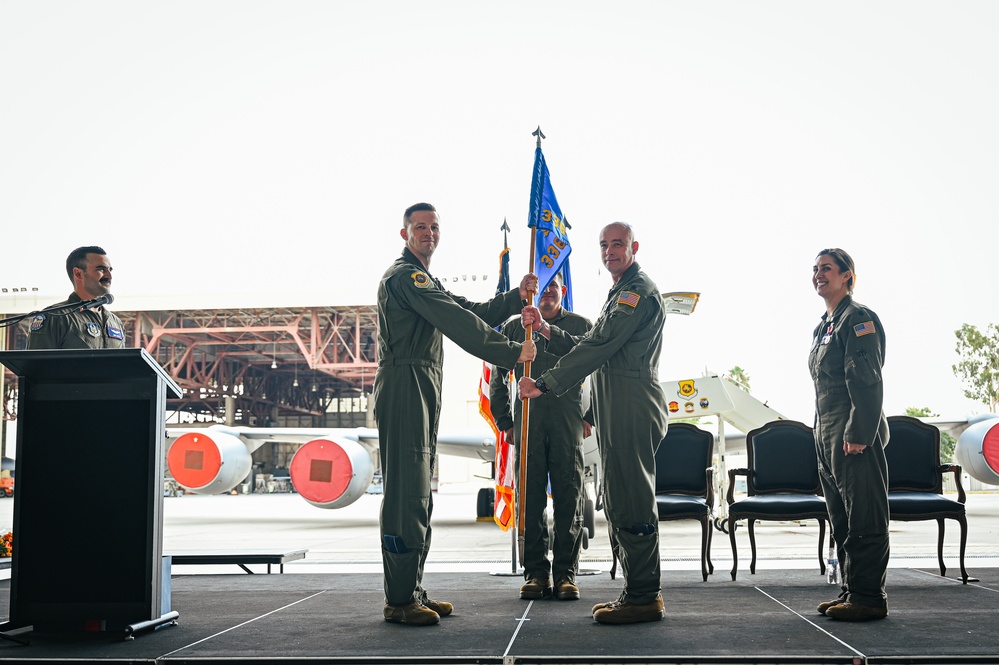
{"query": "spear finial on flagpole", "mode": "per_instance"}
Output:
(505, 229)
(537, 132)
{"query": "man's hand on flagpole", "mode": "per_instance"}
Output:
(528, 351)
(528, 286)
(531, 316)
(528, 388)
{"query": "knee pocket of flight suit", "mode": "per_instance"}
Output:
(401, 575)
(640, 530)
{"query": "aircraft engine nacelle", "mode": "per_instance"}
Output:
(331, 473)
(977, 451)
(208, 462)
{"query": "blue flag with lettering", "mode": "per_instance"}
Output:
(552, 247)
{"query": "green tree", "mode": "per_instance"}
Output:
(739, 377)
(979, 366)
(947, 442)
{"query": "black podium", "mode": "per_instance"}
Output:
(88, 503)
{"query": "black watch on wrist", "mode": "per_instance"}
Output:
(542, 386)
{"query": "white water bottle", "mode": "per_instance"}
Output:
(832, 566)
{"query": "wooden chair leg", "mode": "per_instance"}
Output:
(711, 531)
(752, 544)
(705, 535)
(940, 541)
(735, 551)
(963, 521)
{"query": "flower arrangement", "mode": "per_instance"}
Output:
(6, 544)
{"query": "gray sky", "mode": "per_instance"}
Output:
(262, 147)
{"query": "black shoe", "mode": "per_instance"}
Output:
(536, 588)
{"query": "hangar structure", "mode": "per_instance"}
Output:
(258, 366)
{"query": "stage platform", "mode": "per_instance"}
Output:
(327, 607)
(769, 617)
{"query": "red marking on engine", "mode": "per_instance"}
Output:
(194, 460)
(990, 447)
(321, 471)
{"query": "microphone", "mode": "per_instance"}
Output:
(105, 299)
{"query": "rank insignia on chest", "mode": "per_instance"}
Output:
(629, 298)
(115, 332)
(93, 330)
(37, 323)
(865, 328)
(421, 280)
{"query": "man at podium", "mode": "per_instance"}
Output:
(81, 321)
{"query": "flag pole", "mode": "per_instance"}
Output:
(525, 404)
(513, 532)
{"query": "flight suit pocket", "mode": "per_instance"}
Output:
(861, 366)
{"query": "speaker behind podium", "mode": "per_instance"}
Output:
(88, 503)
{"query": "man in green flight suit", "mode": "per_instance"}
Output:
(82, 326)
(555, 451)
(414, 312)
(622, 353)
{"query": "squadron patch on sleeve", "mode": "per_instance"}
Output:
(38, 322)
(629, 298)
(865, 328)
(421, 280)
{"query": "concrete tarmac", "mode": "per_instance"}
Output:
(347, 540)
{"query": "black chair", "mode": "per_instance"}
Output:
(685, 482)
(915, 481)
(782, 483)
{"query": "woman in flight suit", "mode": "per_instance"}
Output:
(851, 432)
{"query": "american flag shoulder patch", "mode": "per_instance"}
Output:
(865, 328)
(629, 298)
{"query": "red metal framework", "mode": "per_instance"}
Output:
(263, 364)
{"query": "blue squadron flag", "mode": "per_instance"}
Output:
(552, 242)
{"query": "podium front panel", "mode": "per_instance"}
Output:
(88, 500)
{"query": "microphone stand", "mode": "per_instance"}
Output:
(75, 306)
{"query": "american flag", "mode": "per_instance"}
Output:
(503, 506)
(865, 328)
(629, 298)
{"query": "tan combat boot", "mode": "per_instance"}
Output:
(536, 588)
(415, 614)
(618, 613)
(829, 603)
(566, 590)
(443, 608)
(856, 612)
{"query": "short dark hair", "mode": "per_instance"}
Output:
(416, 207)
(844, 261)
(78, 258)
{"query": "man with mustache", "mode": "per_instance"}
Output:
(94, 328)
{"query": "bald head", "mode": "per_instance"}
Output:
(617, 248)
